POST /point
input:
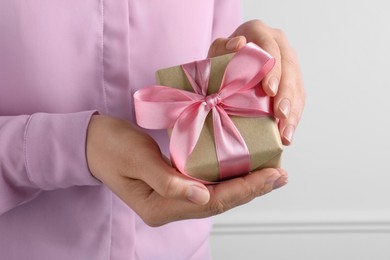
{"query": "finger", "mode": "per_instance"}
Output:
(229, 194)
(287, 126)
(271, 81)
(290, 100)
(239, 191)
(153, 208)
(156, 210)
(169, 183)
(289, 79)
(284, 81)
(259, 33)
(223, 46)
(288, 106)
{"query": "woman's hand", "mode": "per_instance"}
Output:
(284, 82)
(130, 163)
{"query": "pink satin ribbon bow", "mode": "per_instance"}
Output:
(160, 107)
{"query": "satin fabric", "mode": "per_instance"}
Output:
(61, 61)
(239, 94)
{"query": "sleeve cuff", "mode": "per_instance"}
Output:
(55, 150)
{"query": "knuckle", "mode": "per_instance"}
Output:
(217, 41)
(279, 33)
(217, 47)
(289, 84)
(171, 188)
(268, 43)
(257, 23)
(290, 60)
(297, 110)
(217, 207)
(247, 190)
(294, 118)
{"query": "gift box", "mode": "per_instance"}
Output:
(218, 117)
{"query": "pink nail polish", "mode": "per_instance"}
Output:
(232, 44)
(273, 85)
(288, 133)
(280, 182)
(284, 107)
(198, 195)
(271, 179)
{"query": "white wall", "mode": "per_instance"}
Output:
(336, 205)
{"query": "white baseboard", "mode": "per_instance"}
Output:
(302, 223)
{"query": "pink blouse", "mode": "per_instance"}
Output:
(61, 60)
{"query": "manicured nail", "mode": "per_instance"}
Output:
(271, 179)
(232, 44)
(280, 182)
(284, 107)
(288, 133)
(273, 85)
(198, 195)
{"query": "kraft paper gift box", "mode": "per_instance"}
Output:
(260, 133)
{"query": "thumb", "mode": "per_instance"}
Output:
(170, 183)
(223, 46)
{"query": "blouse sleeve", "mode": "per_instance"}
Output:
(42, 152)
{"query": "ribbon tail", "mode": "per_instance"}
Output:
(185, 134)
(232, 152)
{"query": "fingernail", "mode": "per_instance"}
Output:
(288, 133)
(273, 85)
(198, 195)
(271, 179)
(232, 44)
(284, 107)
(280, 182)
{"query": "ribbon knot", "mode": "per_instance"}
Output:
(160, 107)
(212, 100)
